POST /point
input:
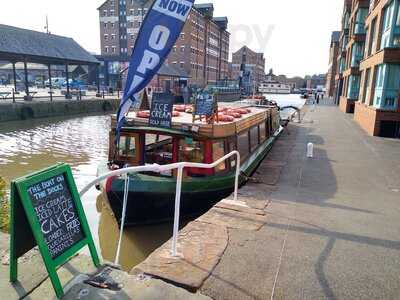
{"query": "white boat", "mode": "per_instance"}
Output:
(274, 87)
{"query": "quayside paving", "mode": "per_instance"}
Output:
(319, 228)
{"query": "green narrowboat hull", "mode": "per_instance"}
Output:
(151, 199)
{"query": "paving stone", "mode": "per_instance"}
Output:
(233, 219)
(200, 247)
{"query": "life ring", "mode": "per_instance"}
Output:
(143, 114)
(222, 109)
(232, 113)
(241, 111)
(225, 118)
(180, 108)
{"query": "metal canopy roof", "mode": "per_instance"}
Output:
(38, 47)
(171, 71)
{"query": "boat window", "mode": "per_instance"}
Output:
(263, 132)
(218, 152)
(159, 149)
(254, 138)
(243, 144)
(191, 150)
(127, 146)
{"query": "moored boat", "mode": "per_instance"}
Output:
(249, 129)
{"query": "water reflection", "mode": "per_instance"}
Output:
(82, 142)
(27, 146)
(138, 242)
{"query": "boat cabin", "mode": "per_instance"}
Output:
(189, 141)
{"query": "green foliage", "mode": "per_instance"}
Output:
(4, 208)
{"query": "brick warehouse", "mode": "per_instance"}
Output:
(253, 62)
(202, 51)
(377, 107)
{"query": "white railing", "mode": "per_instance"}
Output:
(158, 169)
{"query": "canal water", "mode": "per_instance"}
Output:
(82, 142)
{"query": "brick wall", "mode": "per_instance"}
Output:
(366, 118)
(370, 119)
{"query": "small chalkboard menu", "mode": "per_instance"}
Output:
(46, 211)
(57, 215)
(161, 110)
(205, 105)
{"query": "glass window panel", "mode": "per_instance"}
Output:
(191, 151)
(263, 132)
(398, 16)
(254, 138)
(243, 144)
(218, 152)
(127, 146)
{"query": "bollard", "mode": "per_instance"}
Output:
(310, 150)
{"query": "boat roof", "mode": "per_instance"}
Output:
(184, 125)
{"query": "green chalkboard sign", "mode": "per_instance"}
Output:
(46, 211)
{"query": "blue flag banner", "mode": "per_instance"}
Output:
(158, 34)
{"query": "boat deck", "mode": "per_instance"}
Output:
(184, 122)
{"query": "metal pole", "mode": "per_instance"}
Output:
(121, 231)
(50, 85)
(98, 79)
(67, 77)
(235, 196)
(15, 77)
(26, 79)
(13, 95)
(177, 210)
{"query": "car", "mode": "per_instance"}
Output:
(56, 82)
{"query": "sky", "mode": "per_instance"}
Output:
(293, 35)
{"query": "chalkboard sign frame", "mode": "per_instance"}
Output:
(165, 99)
(25, 230)
(200, 105)
(199, 110)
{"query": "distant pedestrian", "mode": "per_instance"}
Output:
(186, 95)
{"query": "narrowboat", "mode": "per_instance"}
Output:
(249, 129)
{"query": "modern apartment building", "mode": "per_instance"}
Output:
(342, 51)
(378, 107)
(332, 69)
(202, 50)
(354, 54)
(251, 62)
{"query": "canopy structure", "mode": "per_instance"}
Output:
(28, 46)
